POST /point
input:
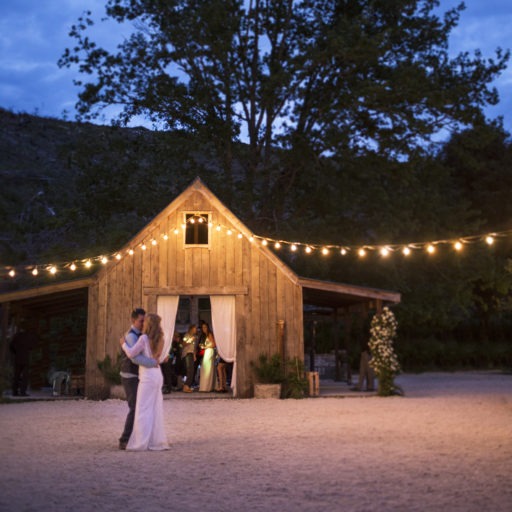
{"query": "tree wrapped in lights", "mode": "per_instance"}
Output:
(384, 360)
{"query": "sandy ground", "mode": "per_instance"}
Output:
(446, 445)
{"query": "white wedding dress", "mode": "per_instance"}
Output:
(148, 427)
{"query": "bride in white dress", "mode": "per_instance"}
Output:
(207, 375)
(148, 427)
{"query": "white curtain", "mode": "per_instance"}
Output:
(167, 307)
(224, 330)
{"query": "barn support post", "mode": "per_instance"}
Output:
(280, 339)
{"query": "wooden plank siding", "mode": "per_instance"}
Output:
(231, 265)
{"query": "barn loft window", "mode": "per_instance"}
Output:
(197, 228)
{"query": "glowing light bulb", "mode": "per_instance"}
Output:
(192, 220)
(218, 228)
(53, 270)
(457, 246)
(384, 252)
(277, 245)
(264, 242)
(35, 272)
(88, 264)
(104, 260)
(12, 273)
(153, 242)
(293, 247)
(308, 249)
(72, 267)
(130, 252)
(362, 253)
(406, 251)
(176, 231)
(166, 237)
(325, 251)
(200, 220)
(251, 239)
(183, 226)
(343, 252)
(240, 235)
(143, 247)
(489, 240)
(118, 256)
(431, 249)
(229, 232)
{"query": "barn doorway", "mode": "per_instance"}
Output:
(193, 309)
(218, 311)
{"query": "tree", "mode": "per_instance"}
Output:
(297, 81)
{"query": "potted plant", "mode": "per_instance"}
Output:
(110, 371)
(269, 376)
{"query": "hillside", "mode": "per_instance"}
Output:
(72, 187)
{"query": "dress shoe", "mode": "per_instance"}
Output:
(186, 389)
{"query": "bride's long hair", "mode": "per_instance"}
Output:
(154, 332)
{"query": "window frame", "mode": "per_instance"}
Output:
(205, 214)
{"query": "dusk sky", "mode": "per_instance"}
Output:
(34, 33)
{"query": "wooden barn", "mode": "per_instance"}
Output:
(195, 260)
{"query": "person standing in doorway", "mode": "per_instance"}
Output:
(207, 376)
(189, 355)
(130, 372)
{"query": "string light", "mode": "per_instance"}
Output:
(384, 250)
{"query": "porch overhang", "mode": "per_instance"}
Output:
(329, 294)
(52, 298)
